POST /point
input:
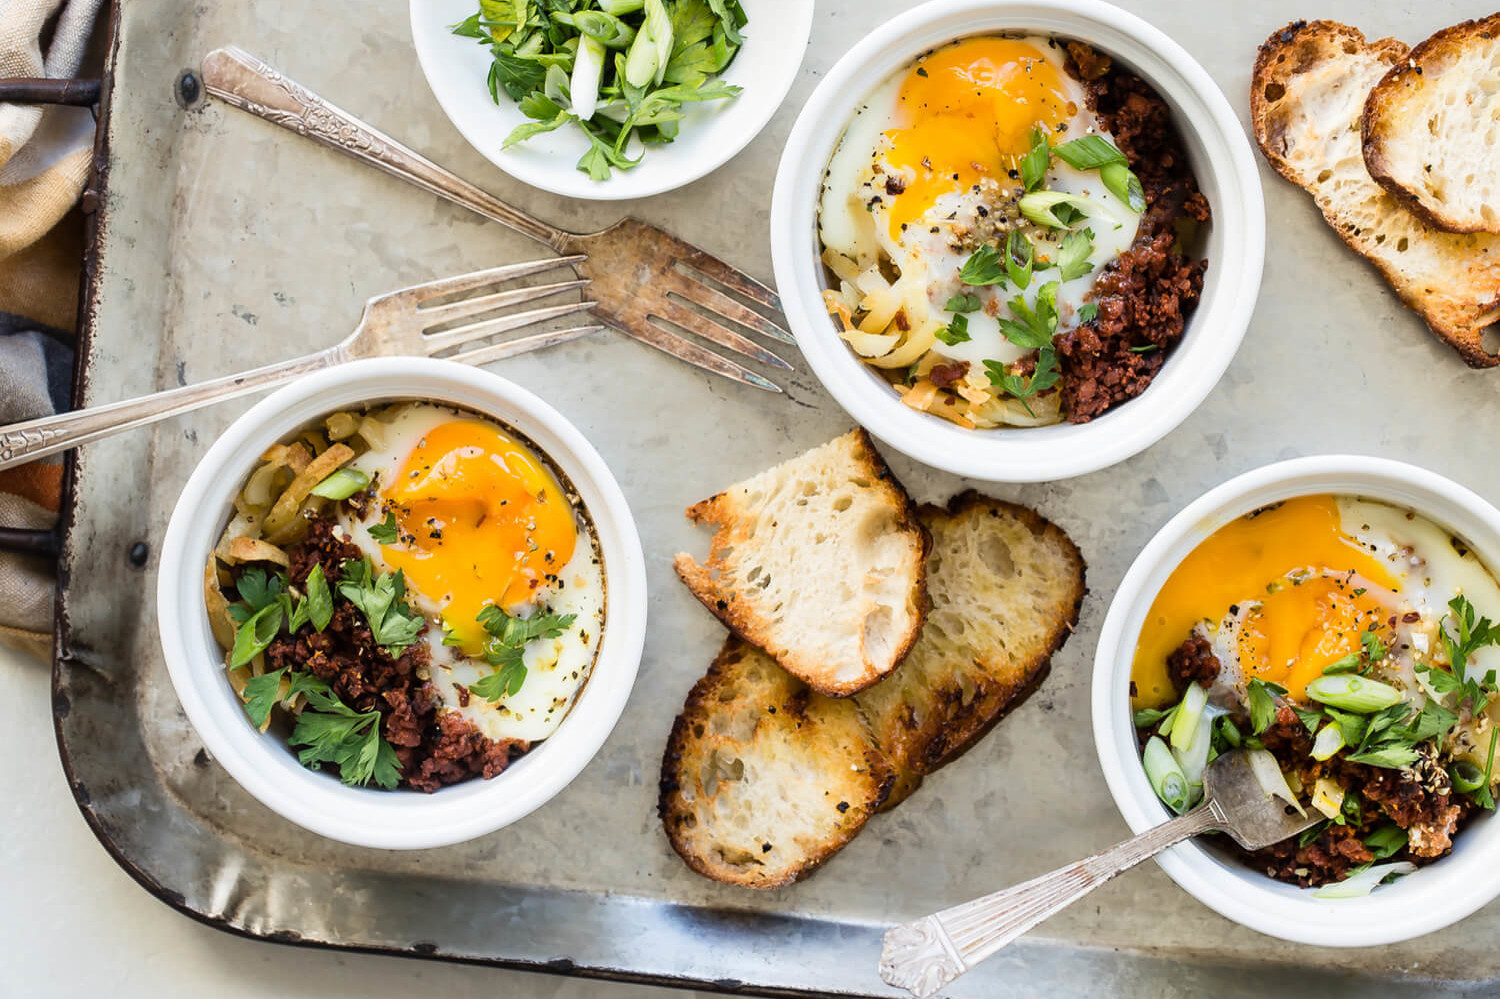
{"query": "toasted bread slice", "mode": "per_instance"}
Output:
(819, 561)
(1006, 586)
(1432, 128)
(1307, 100)
(764, 779)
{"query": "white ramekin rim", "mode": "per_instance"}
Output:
(1226, 171)
(1434, 896)
(262, 764)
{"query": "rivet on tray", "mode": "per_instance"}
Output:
(139, 552)
(188, 89)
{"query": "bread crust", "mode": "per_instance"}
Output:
(1379, 125)
(1458, 320)
(964, 720)
(672, 808)
(742, 619)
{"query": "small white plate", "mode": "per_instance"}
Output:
(713, 132)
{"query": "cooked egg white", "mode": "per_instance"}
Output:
(931, 154)
(1282, 593)
(482, 521)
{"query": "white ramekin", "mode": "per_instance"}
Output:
(263, 765)
(1427, 900)
(1226, 173)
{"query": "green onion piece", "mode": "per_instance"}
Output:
(588, 68)
(659, 26)
(1056, 209)
(1185, 725)
(1467, 777)
(1165, 775)
(1230, 731)
(607, 28)
(1124, 185)
(1090, 152)
(1194, 757)
(1328, 741)
(1353, 693)
(1361, 884)
(1271, 780)
(619, 7)
(342, 484)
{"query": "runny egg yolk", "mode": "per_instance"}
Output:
(1305, 589)
(481, 521)
(965, 113)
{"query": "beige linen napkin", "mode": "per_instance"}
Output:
(45, 155)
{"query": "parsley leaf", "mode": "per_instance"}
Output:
(348, 739)
(1386, 841)
(1034, 163)
(963, 303)
(1088, 312)
(1392, 757)
(1309, 717)
(1262, 705)
(319, 599)
(1032, 328)
(1073, 254)
(982, 268)
(386, 532)
(1374, 648)
(261, 694)
(381, 600)
(956, 332)
(258, 588)
(1042, 377)
(505, 649)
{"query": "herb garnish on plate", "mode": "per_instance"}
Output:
(617, 69)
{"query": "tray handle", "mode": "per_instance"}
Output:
(38, 90)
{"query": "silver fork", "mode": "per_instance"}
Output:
(409, 322)
(925, 955)
(645, 280)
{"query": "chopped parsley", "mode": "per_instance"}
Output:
(386, 532)
(1262, 705)
(506, 647)
(956, 332)
(982, 268)
(382, 600)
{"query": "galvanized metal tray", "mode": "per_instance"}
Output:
(222, 243)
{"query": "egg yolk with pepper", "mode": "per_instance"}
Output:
(481, 522)
(965, 113)
(1305, 592)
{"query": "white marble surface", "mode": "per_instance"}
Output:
(72, 923)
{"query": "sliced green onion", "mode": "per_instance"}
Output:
(1166, 776)
(1271, 780)
(1360, 884)
(1330, 740)
(1089, 152)
(1194, 757)
(342, 484)
(1328, 797)
(605, 27)
(1185, 725)
(1230, 731)
(588, 69)
(1353, 693)
(659, 26)
(1057, 209)
(1124, 185)
(618, 7)
(1467, 777)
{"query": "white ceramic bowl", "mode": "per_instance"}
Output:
(712, 133)
(1422, 902)
(263, 765)
(1226, 173)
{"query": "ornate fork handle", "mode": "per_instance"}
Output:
(23, 442)
(238, 78)
(925, 955)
